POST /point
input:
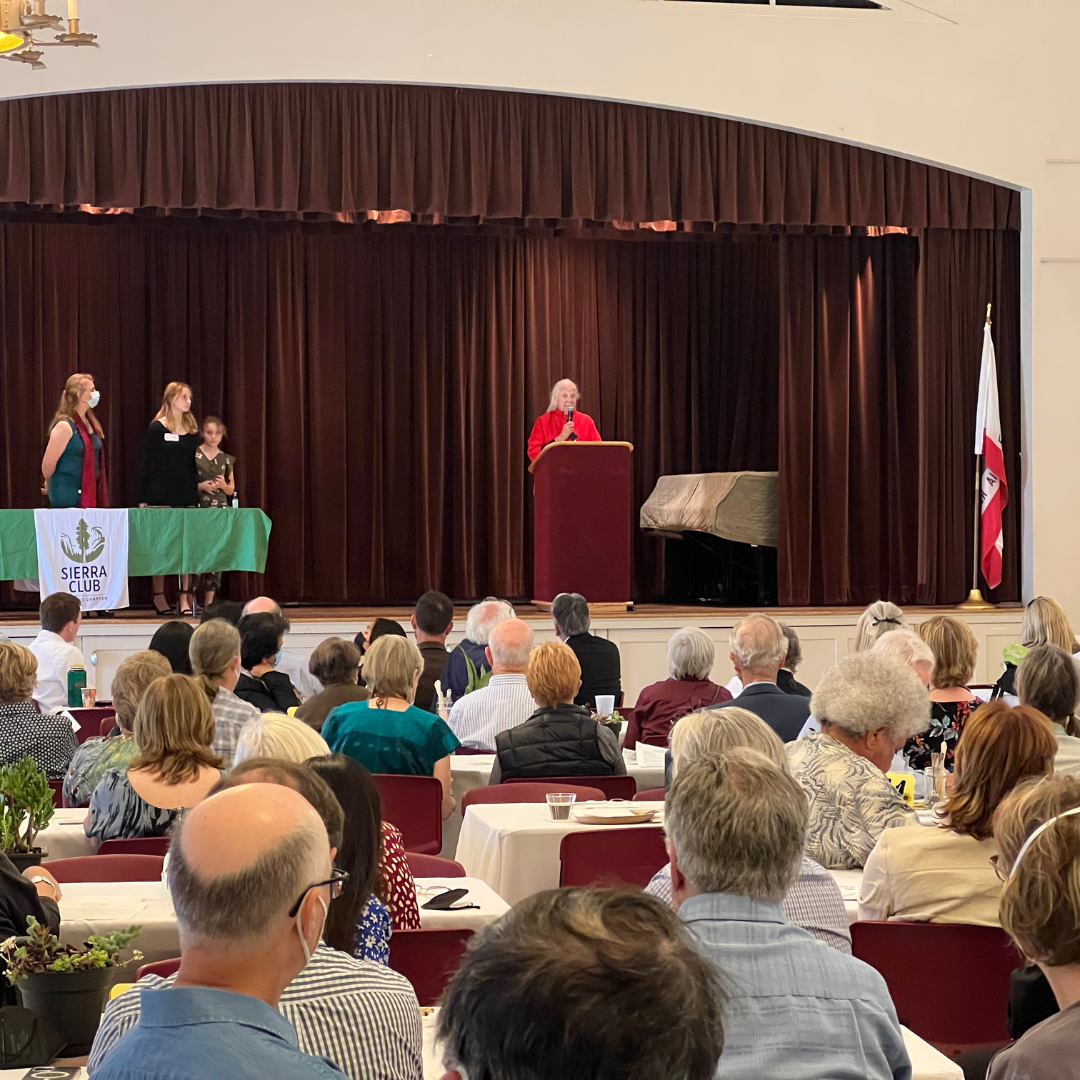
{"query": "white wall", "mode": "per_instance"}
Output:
(990, 87)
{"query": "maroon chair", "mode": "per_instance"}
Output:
(632, 733)
(627, 856)
(163, 968)
(92, 720)
(144, 845)
(613, 787)
(57, 788)
(107, 724)
(428, 959)
(414, 805)
(107, 868)
(432, 866)
(653, 794)
(960, 1002)
(532, 792)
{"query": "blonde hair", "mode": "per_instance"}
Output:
(715, 731)
(212, 650)
(1045, 623)
(999, 746)
(18, 672)
(553, 674)
(1040, 901)
(187, 421)
(69, 401)
(955, 649)
(174, 729)
(132, 677)
(390, 667)
(878, 619)
(275, 735)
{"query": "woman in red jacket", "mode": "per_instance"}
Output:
(562, 421)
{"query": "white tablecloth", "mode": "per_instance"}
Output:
(492, 906)
(64, 838)
(850, 881)
(99, 907)
(514, 847)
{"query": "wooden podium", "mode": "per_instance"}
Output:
(581, 522)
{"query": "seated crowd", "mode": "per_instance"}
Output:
(288, 884)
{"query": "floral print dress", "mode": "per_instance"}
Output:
(947, 720)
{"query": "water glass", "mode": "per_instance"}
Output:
(559, 804)
(605, 704)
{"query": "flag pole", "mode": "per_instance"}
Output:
(975, 601)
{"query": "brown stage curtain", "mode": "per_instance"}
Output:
(337, 151)
(379, 386)
(879, 367)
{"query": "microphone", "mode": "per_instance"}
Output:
(570, 419)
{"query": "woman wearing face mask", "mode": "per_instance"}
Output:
(169, 476)
(74, 463)
(260, 652)
(217, 483)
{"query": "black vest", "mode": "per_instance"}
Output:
(560, 741)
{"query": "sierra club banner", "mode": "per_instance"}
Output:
(85, 553)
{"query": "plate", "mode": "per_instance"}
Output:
(601, 816)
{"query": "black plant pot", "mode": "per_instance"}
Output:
(71, 1002)
(24, 859)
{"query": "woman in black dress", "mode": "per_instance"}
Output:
(169, 476)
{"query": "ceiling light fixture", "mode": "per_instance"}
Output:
(26, 28)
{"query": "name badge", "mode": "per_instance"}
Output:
(171, 437)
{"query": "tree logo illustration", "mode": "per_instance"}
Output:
(88, 546)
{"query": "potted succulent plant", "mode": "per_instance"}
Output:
(63, 983)
(26, 807)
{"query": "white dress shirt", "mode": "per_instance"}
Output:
(55, 657)
(503, 704)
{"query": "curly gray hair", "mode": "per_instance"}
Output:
(690, 654)
(869, 690)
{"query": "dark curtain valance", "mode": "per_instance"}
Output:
(445, 154)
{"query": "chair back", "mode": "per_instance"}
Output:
(432, 866)
(428, 959)
(613, 787)
(57, 788)
(414, 805)
(653, 794)
(628, 856)
(537, 791)
(143, 845)
(958, 1003)
(106, 725)
(107, 868)
(162, 968)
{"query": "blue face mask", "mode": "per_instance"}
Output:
(95, 397)
(277, 658)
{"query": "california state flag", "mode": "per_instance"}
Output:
(995, 492)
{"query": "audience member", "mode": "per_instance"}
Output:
(583, 984)
(251, 880)
(432, 621)
(361, 1016)
(736, 828)
(477, 718)
(598, 657)
(33, 892)
(335, 662)
(172, 639)
(560, 738)
(956, 651)
(372, 632)
(99, 754)
(1048, 679)
(944, 874)
(388, 733)
(878, 619)
(467, 664)
(295, 667)
(758, 647)
(813, 901)
(785, 677)
(24, 732)
(1044, 623)
(1037, 829)
(261, 684)
(278, 735)
(172, 771)
(232, 611)
(215, 659)
(690, 655)
(868, 706)
(56, 654)
(907, 646)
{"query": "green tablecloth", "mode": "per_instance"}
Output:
(160, 541)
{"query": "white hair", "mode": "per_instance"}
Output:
(553, 404)
(759, 644)
(505, 650)
(690, 654)
(878, 619)
(906, 645)
(483, 618)
(866, 691)
(279, 736)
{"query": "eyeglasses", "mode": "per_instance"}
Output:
(337, 887)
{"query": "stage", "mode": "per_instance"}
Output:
(825, 633)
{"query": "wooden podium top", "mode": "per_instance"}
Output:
(552, 445)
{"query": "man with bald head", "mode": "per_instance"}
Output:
(296, 667)
(562, 422)
(505, 702)
(251, 881)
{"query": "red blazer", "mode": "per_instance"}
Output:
(548, 426)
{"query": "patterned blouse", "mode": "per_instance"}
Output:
(851, 801)
(398, 887)
(91, 761)
(219, 465)
(24, 732)
(373, 933)
(947, 720)
(118, 813)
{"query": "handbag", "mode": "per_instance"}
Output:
(26, 1038)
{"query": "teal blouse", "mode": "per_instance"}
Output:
(384, 741)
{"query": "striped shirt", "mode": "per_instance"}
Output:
(230, 715)
(503, 704)
(361, 1016)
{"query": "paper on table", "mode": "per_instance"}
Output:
(75, 725)
(650, 756)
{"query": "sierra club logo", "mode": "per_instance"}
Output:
(87, 549)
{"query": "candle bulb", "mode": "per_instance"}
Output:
(73, 10)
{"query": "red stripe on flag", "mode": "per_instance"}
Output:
(990, 523)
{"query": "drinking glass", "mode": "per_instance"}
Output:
(559, 804)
